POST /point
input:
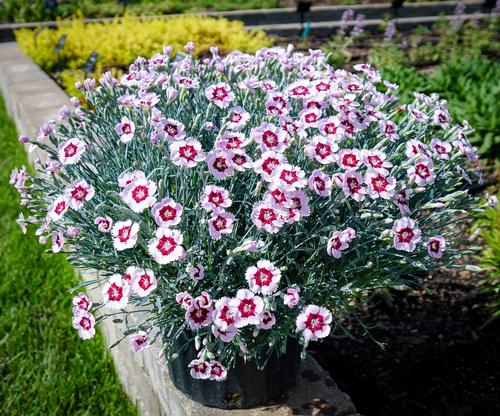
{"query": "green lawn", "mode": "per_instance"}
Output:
(45, 369)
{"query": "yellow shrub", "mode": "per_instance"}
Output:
(119, 42)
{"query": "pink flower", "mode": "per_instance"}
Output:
(421, 172)
(215, 198)
(250, 246)
(139, 341)
(70, 151)
(220, 94)
(125, 129)
(124, 234)
(330, 127)
(276, 104)
(263, 278)
(416, 148)
(269, 216)
(73, 231)
(230, 141)
(81, 302)
(57, 241)
(270, 137)
(240, 160)
(126, 178)
(435, 246)
(166, 246)
(379, 185)
(337, 243)
(129, 272)
(267, 320)
(320, 183)
(197, 272)
(198, 316)
(84, 322)
(289, 177)
(224, 315)
(375, 160)
(292, 297)
(268, 163)
(200, 370)
(406, 234)
(187, 153)
(352, 185)
(115, 292)
(238, 118)
(217, 371)
(247, 308)
(167, 212)
(349, 159)
(104, 224)
(314, 322)
(299, 89)
(139, 194)
(310, 117)
(322, 149)
(184, 299)
(389, 129)
(77, 192)
(143, 282)
(58, 208)
(441, 118)
(297, 204)
(441, 149)
(219, 164)
(220, 223)
(171, 129)
(204, 300)
(402, 199)
(226, 335)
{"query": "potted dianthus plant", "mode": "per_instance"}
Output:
(239, 207)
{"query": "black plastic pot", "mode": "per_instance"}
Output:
(246, 386)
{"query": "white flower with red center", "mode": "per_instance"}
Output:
(226, 335)
(330, 127)
(204, 300)
(171, 129)
(406, 234)
(77, 192)
(240, 160)
(124, 234)
(268, 85)
(219, 164)
(199, 369)
(416, 148)
(322, 87)
(238, 118)
(184, 299)
(220, 94)
(58, 208)
(247, 308)
(297, 204)
(349, 159)
(115, 292)
(125, 129)
(270, 137)
(198, 316)
(186, 82)
(126, 178)
(84, 322)
(70, 151)
(338, 242)
(422, 172)
(224, 315)
(217, 371)
(215, 198)
(263, 278)
(166, 246)
(441, 118)
(352, 185)
(314, 322)
(379, 185)
(104, 224)
(320, 183)
(231, 141)
(139, 341)
(277, 105)
(269, 216)
(289, 177)
(129, 272)
(417, 114)
(435, 246)
(300, 89)
(167, 212)
(197, 272)
(322, 149)
(441, 149)
(292, 297)
(376, 160)
(139, 195)
(143, 282)
(187, 153)
(249, 246)
(81, 302)
(276, 195)
(221, 222)
(268, 163)
(389, 129)
(267, 320)
(57, 241)
(402, 200)
(310, 117)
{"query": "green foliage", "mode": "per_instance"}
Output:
(45, 368)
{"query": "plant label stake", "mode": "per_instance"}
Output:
(90, 63)
(303, 7)
(61, 42)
